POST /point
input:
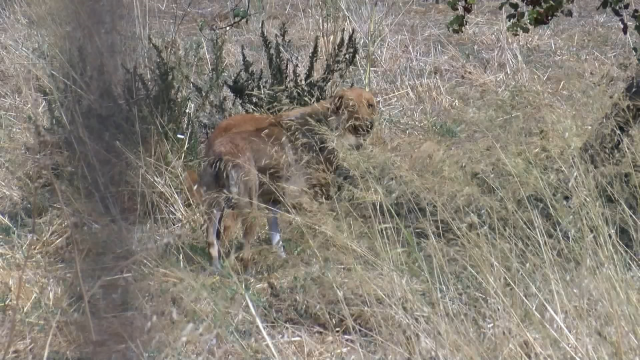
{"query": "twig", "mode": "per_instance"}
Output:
(77, 260)
(367, 76)
(234, 23)
(53, 326)
(15, 311)
(264, 333)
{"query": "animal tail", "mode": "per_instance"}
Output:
(214, 177)
(217, 177)
(217, 171)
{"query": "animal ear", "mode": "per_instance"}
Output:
(337, 103)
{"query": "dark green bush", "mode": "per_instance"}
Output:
(282, 84)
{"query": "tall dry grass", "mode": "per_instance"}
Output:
(478, 230)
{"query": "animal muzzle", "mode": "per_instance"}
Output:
(357, 144)
(368, 127)
(362, 128)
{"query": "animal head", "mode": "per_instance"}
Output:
(213, 176)
(355, 108)
(210, 178)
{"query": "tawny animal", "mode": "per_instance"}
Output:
(244, 148)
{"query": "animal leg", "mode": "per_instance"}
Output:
(212, 241)
(251, 206)
(274, 231)
(243, 185)
(228, 226)
(249, 232)
(249, 228)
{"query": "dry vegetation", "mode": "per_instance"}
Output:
(478, 232)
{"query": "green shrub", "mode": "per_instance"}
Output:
(283, 84)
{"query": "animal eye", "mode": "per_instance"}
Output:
(370, 106)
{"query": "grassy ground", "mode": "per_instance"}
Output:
(479, 232)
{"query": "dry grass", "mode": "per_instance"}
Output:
(477, 233)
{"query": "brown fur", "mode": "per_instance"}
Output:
(241, 122)
(349, 113)
(243, 169)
